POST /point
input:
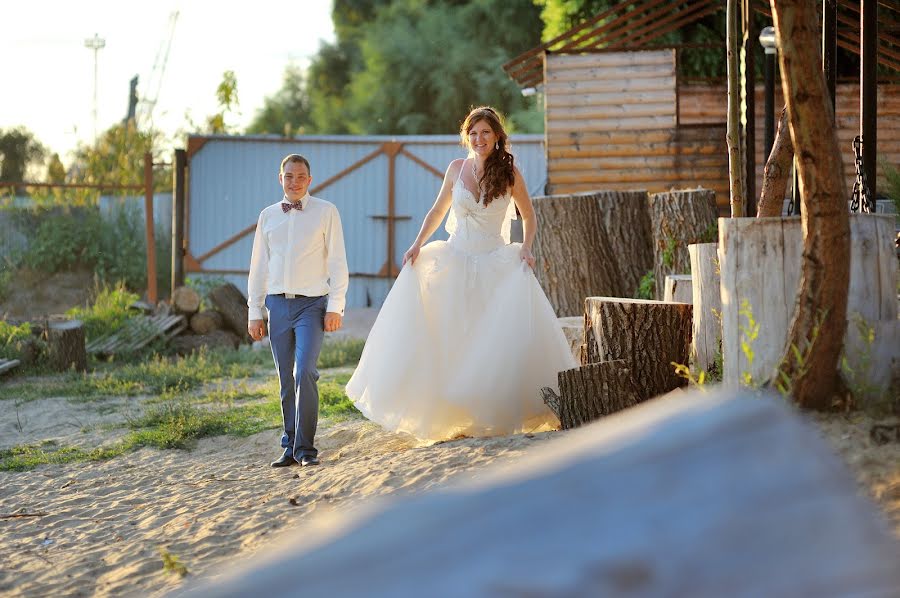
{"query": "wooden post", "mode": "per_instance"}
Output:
(706, 330)
(829, 46)
(748, 105)
(152, 295)
(179, 165)
(679, 288)
(733, 134)
(868, 100)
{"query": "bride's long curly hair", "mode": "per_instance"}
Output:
(499, 173)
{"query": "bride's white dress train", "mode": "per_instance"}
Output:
(466, 337)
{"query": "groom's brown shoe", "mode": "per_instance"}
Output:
(286, 460)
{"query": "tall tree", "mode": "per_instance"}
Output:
(19, 150)
(227, 97)
(809, 368)
(287, 112)
(426, 82)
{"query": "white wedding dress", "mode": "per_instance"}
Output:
(466, 337)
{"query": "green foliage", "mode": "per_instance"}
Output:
(110, 309)
(12, 339)
(647, 287)
(227, 98)
(203, 284)
(171, 563)
(784, 383)
(333, 402)
(19, 150)
(749, 334)
(378, 77)
(668, 254)
(711, 234)
(287, 112)
(340, 352)
(6, 276)
(114, 248)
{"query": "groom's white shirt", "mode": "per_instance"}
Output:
(299, 252)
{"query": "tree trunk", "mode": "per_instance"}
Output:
(206, 321)
(809, 366)
(733, 132)
(649, 335)
(66, 349)
(706, 336)
(626, 220)
(777, 172)
(679, 288)
(679, 218)
(232, 304)
(574, 257)
(185, 300)
(590, 392)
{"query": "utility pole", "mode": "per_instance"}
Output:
(96, 44)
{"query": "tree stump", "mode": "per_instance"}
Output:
(592, 391)
(678, 288)
(186, 300)
(204, 322)
(649, 335)
(65, 345)
(760, 261)
(679, 218)
(573, 328)
(574, 257)
(231, 303)
(706, 337)
(626, 220)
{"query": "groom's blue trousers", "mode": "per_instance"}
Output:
(296, 329)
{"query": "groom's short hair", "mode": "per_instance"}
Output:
(295, 158)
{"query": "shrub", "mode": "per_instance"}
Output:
(108, 313)
(13, 338)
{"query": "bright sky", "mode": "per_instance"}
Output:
(48, 73)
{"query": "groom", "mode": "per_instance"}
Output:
(298, 270)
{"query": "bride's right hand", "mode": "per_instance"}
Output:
(410, 256)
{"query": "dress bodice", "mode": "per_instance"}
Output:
(476, 227)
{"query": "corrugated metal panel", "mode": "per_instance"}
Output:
(233, 178)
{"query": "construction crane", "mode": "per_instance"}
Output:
(143, 113)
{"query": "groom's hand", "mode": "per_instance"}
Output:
(333, 321)
(256, 329)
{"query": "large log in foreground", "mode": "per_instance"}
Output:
(649, 335)
(66, 345)
(679, 218)
(231, 303)
(591, 392)
(574, 257)
(701, 495)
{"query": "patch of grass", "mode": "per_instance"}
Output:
(171, 563)
(647, 287)
(12, 339)
(109, 312)
(337, 353)
(333, 402)
(29, 456)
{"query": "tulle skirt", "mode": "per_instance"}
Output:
(462, 346)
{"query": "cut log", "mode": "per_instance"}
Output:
(204, 322)
(232, 304)
(65, 345)
(574, 257)
(701, 495)
(626, 220)
(573, 328)
(8, 364)
(679, 218)
(706, 337)
(186, 300)
(216, 339)
(649, 335)
(760, 264)
(591, 392)
(678, 288)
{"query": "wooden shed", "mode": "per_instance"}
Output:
(618, 115)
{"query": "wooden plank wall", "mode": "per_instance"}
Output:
(611, 123)
(706, 104)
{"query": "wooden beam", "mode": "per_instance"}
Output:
(868, 92)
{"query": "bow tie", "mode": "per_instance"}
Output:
(288, 206)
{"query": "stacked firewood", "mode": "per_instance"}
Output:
(222, 324)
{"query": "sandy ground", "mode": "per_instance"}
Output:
(97, 529)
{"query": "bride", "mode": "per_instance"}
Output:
(466, 337)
